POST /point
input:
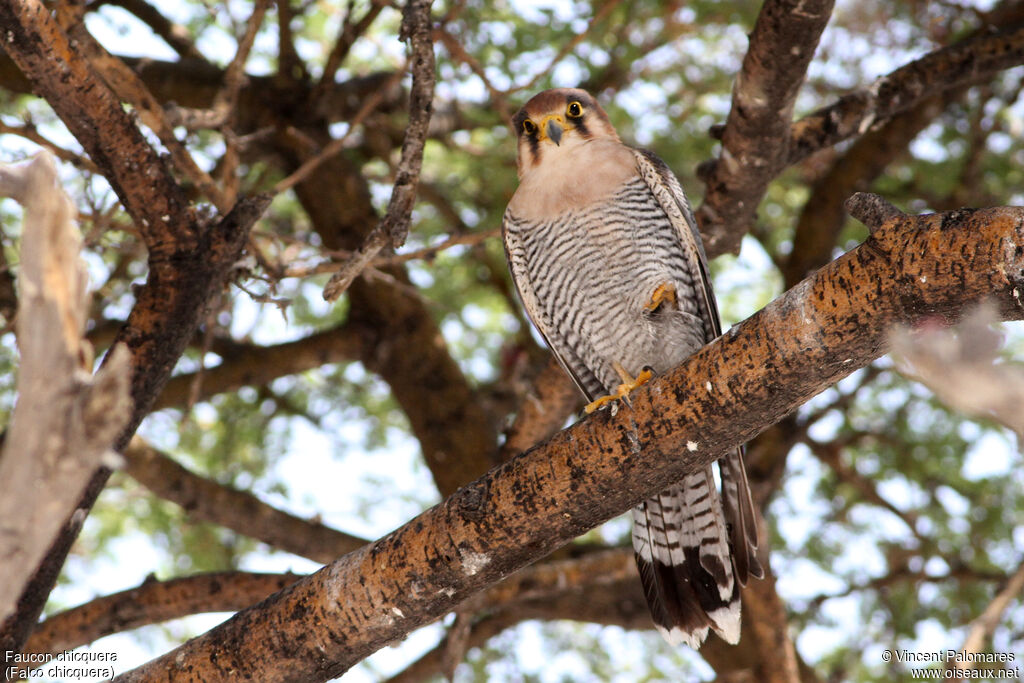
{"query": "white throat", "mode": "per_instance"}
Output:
(572, 175)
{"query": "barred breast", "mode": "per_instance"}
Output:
(592, 270)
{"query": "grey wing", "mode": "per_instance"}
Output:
(736, 499)
(516, 255)
(669, 193)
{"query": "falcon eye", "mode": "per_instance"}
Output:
(574, 110)
(529, 127)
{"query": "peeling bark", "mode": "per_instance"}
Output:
(66, 419)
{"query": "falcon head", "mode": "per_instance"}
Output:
(555, 123)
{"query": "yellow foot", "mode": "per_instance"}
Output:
(665, 292)
(629, 383)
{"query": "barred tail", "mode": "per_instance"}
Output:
(685, 553)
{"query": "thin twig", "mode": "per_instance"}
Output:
(32, 134)
(985, 624)
(334, 146)
(347, 35)
(393, 229)
(602, 12)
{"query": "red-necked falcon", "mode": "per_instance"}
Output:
(604, 250)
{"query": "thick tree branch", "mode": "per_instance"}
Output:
(965, 63)
(127, 86)
(756, 137)
(776, 659)
(234, 509)
(618, 602)
(835, 321)
(151, 603)
(251, 365)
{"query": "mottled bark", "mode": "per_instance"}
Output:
(835, 321)
(756, 136)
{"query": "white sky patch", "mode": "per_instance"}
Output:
(987, 457)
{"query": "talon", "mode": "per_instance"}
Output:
(597, 403)
(629, 383)
(665, 292)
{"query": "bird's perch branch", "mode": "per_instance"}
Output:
(764, 368)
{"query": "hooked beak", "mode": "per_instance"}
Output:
(551, 127)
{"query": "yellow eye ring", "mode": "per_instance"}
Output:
(574, 110)
(529, 127)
